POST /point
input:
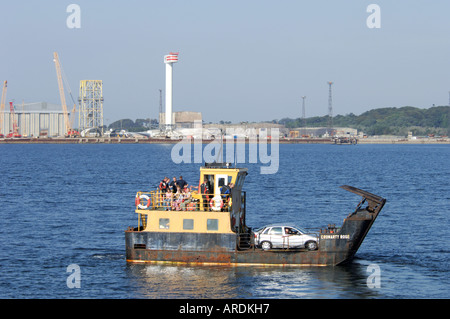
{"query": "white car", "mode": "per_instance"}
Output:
(275, 236)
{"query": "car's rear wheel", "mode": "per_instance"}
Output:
(266, 245)
(311, 245)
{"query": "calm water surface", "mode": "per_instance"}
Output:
(70, 204)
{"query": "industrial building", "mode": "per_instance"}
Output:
(184, 119)
(34, 119)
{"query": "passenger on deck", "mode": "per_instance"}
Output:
(163, 188)
(181, 183)
(164, 185)
(205, 190)
(225, 192)
(167, 203)
(187, 198)
(177, 200)
(173, 185)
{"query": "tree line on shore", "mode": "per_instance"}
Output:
(382, 121)
(386, 121)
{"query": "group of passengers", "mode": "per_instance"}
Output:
(176, 194)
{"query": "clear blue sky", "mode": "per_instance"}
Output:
(239, 60)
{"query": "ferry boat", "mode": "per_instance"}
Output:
(210, 228)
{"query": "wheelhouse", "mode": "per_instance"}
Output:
(197, 211)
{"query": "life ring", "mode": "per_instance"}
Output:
(149, 202)
(216, 203)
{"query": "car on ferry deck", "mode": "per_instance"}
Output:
(284, 236)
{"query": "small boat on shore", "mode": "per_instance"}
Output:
(209, 228)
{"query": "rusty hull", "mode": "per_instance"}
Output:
(326, 255)
(336, 245)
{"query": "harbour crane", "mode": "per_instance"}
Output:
(15, 131)
(2, 107)
(69, 132)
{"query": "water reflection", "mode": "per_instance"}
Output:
(167, 281)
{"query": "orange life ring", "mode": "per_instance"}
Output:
(213, 203)
(149, 202)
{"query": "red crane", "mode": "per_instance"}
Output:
(15, 132)
(2, 107)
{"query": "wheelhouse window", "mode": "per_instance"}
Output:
(212, 224)
(188, 224)
(164, 223)
(224, 181)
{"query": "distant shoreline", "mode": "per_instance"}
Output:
(103, 140)
(405, 141)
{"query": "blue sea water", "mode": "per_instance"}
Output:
(70, 204)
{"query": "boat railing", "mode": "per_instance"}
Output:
(158, 200)
(330, 229)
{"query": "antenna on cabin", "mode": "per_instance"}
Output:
(235, 155)
(219, 158)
